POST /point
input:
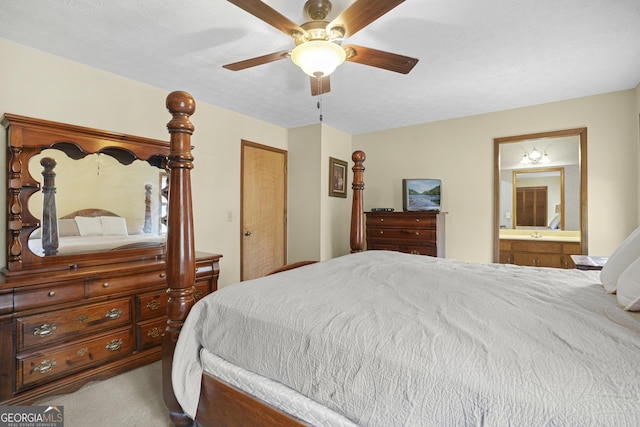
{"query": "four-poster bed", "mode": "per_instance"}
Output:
(384, 338)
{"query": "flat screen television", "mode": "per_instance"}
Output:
(421, 194)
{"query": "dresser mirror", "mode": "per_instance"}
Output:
(99, 181)
(540, 189)
(79, 196)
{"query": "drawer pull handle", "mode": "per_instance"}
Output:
(381, 219)
(417, 219)
(381, 232)
(114, 345)
(82, 318)
(198, 294)
(417, 233)
(105, 285)
(154, 304)
(155, 332)
(163, 275)
(45, 366)
(45, 330)
(114, 313)
(81, 352)
(52, 293)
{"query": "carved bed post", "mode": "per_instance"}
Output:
(180, 246)
(146, 228)
(49, 212)
(357, 208)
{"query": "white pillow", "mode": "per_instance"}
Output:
(629, 287)
(627, 252)
(134, 227)
(555, 222)
(89, 225)
(67, 227)
(113, 226)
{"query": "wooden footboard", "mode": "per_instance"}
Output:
(220, 404)
(224, 405)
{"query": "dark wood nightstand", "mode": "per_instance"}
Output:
(586, 262)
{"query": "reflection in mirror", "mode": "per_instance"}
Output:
(540, 187)
(538, 199)
(101, 204)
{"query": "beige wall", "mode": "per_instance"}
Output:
(40, 85)
(460, 152)
(336, 211)
(318, 225)
(304, 212)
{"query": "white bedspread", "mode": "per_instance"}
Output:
(388, 339)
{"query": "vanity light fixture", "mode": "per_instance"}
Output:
(534, 157)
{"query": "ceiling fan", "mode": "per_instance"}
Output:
(318, 42)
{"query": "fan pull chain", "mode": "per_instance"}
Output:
(319, 102)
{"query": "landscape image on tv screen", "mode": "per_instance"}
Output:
(422, 194)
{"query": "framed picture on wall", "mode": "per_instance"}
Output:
(337, 178)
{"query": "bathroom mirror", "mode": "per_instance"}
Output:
(540, 186)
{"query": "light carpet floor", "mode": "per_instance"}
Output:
(131, 399)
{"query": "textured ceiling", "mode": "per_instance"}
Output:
(475, 56)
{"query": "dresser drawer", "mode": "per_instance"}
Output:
(403, 221)
(204, 269)
(111, 285)
(407, 235)
(431, 250)
(153, 304)
(48, 295)
(202, 290)
(41, 367)
(62, 324)
(150, 333)
(537, 246)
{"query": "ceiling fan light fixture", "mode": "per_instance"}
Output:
(318, 58)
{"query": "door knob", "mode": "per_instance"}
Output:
(247, 233)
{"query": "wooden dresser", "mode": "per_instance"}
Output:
(420, 233)
(538, 253)
(71, 314)
(60, 329)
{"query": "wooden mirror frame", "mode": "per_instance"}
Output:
(582, 163)
(514, 179)
(27, 137)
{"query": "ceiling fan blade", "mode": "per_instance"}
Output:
(380, 59)
(320, 85)
(269, 15)
(362, 13)
(259, 60)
